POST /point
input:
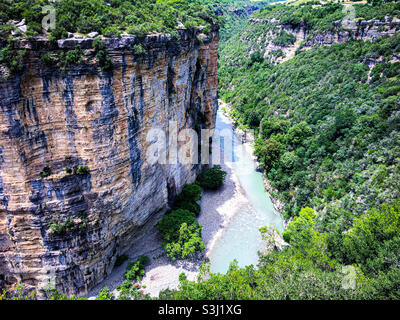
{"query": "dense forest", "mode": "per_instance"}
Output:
(109, 18)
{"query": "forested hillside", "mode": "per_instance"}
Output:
(234, 13)
(276, 30)
(327, 124)
(109, 18)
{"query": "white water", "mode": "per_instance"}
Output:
(241, 239)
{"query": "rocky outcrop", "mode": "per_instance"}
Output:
(69, 227)
(238, 10)
(246, 10)
(305, 39)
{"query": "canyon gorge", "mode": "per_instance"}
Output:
(301, 99)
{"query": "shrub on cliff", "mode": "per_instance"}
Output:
(70, 58)
(61, 228)
(102, 56)
(139, 49)
(212, 178)
(49, 59)
(46, 172)
(81, 170)
(284, 39)
(12, 58)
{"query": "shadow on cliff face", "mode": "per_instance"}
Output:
(148, 243)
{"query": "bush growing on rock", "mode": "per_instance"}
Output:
(102, 55)
(12, 58)
(139, 49)
(62, 228)
(46, 172)
(70, 58)
(82, 170)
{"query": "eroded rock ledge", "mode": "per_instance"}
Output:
(366, 30)
(84, 116)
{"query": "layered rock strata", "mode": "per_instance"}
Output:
(67, 226)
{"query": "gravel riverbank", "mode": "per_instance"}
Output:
(217, 208)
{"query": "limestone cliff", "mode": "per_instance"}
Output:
(52, 120)
(304, 39)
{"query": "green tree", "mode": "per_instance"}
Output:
(298, 133)
(374, 241)
(187, 244)
(298, 231)
(212, 178)
(268, 152)
(105, 294)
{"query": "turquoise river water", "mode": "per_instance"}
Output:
(241, 239)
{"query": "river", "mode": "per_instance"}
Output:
(240, 238)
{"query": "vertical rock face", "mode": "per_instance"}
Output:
(72, 226)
